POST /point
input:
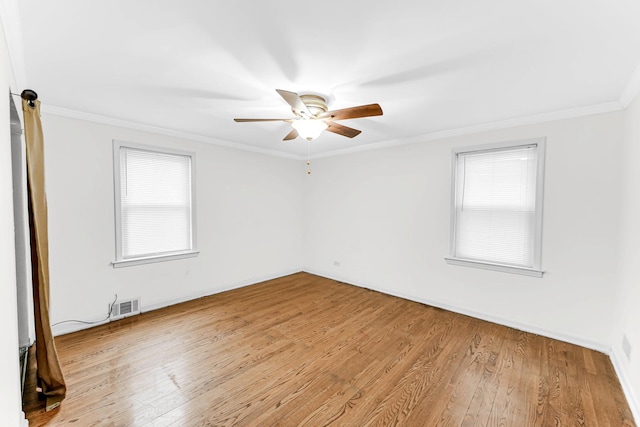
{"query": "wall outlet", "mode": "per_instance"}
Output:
(626, 346)
(336, 263)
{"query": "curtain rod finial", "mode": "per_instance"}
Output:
(30, 96)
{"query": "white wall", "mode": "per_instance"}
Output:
(249, 222)
(384, 215)
(628, 309)
(10, 401)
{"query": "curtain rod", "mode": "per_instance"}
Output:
(29, 95)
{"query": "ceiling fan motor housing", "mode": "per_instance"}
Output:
(315, 104)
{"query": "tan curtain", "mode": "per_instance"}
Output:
(50, 375)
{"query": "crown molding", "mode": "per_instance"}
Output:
(65, 112)
(607, 107)
(631, 90)
(485, 127)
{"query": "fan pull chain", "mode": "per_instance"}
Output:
(308, 161)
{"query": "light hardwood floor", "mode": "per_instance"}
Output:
(304, 350)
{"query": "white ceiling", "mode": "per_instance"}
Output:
(433, 65)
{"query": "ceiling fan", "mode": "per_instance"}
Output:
(312, 116)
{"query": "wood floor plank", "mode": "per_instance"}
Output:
(308, 351)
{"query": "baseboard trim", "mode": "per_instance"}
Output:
(593, 345)
(621, 372)
(64, 329)
(209, 292)
(71, 327)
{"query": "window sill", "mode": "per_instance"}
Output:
(495, 267)
(152, 259)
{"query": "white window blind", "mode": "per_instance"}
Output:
(496, 215)
(155, 216)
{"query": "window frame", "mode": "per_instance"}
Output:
(536, 270)
(168, 256)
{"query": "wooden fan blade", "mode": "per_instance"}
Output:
(262, 120)
(353, 112)
(342, 130)
(292, 98)
(291, 135)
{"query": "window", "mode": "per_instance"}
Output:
(155, 204)
(497, 207)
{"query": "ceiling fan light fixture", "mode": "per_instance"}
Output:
(309, 129)
(312, 116)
